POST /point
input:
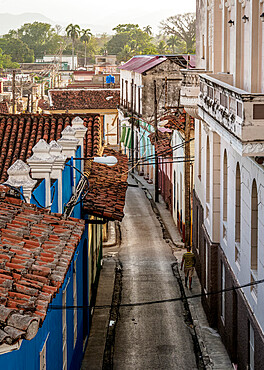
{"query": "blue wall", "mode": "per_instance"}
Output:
(39, 194)
(54, 197)
(66, 185)
(78, 165)
(27, 357)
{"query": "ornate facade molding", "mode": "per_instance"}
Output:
(251, 149)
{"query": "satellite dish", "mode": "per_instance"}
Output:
(108, 160)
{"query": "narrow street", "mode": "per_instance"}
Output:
(151, 336)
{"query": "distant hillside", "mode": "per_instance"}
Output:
(13, 22)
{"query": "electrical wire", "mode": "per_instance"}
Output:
(147, 303)
(15, 189)
(166, 151)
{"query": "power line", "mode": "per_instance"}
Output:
(147, 303)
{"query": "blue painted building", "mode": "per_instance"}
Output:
(61, 340)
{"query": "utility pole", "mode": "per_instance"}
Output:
(156, 139)
(187, 182)
(132, 126)
(14, 91)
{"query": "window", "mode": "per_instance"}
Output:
(225, 187)
(174, 190)
(222, 293)
(206, 266)
(254, 227)
(208, 171)
(254, 238)
(197, 229)
(251, 347)
(199, 150)
(237, 215)
(238, 205)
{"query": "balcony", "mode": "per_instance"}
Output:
(190, 89)
(237, 114)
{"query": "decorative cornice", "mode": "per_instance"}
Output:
(251, 149)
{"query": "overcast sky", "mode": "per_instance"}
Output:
(105, 14)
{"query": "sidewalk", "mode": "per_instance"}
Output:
(214, 352)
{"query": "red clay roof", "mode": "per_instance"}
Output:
(36, 250)
(163, 143)
(107, 188)
(84, 99)
(20, 133)
(177, 122)
(4, 107)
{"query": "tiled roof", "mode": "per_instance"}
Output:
(20, 133)
(43, 104)
(36, 249)
(107, 188)
(177, 122)
(163, 143)
(4, 107)
(84, 99)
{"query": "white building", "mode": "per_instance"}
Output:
(61, 59)
(228, 212)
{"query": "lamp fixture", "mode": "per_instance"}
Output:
(262, 17)
(231, 23)
(245, 18)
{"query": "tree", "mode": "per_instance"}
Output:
(148, 30)
(17, 49)
(40, 37)
(58, 28)
(73, 31)
(6, 62)
(162, 47)
(182, 26)
(130, 35)
(85, 38)
(175, 44)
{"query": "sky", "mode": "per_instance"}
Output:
(101, 15)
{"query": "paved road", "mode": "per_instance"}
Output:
(153, 336)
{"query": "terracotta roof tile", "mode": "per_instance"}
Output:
(4, 107)
(162, 144)
(20, 133)
(72, 99)
(27, 287)
(107, 188)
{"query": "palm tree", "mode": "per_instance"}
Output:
(86, 35)
(173, 41)
(148, 30)
(73, 31)
(162, 47)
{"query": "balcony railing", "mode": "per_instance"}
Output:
(190, 89)
(228, 108)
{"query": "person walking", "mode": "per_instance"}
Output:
(188, 260)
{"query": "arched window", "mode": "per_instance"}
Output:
(225, 187)
(238, 205)
(254, 227)
(207, 171)
(199, 150)
(174, 190)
